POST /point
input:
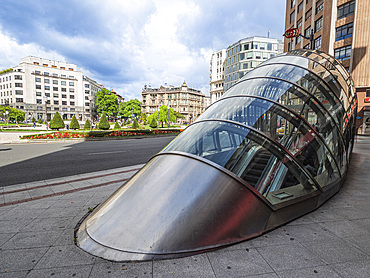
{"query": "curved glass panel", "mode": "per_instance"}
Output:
(300, 102)
(246, 153)
(283, 126)
(318, 69)
(308, 81)
(327, 63)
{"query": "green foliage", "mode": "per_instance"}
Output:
(135, 125)
(129, 109)
(104, 124)
(178, 115)
(143, 117)
(153, 122)
(6, 70)
(117, 126)
(165, 115)
(56, 122)
(33, 119)
(87, 125)
(74, 123)
(107, 102)
(14, 114)
(40, 121)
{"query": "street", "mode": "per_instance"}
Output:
(20, 163)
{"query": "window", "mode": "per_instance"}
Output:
(18, 77)
(55, 75)
(345, 31)
(63, 83)
(71, 77)
(87, 91)
(71, 96)
(71, 83)
(246, 46)
(71, 90)
(255, 45)
(37, 79)
(47, 94)
(64, 76)
(88, 86)
(55, 82)
(300, 7)
(19, 85)
(47, 81)
(46, 73)
(292, 17)
(55, 88)
(56, 102)
(64, 89)
(55, 95)
(269, 46)
(318, 43)
(71, 69)
(346, 9)
(45, 65)
(38, 101)
(38, 87)
(54, 67)
(262, 45)
(36, 63)
(319, 6)
(37, 94)
(318, 24)
(47, 87)
(307, 46)
(20, 92)
(299, 23)
(292, 3)
(298, 39)
(37, 72)
(307, 32)
(343, 53)
(64, 96)
(63, 68)
(19, 99)
(308, 14)
(64, 103)
(72, 103)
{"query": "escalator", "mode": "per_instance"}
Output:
(256, 167)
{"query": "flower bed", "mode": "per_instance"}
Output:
(55, 135)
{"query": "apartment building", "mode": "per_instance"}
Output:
(247, 54)
(341, 28)
(40, 87)
(187, 101)
(217, 75)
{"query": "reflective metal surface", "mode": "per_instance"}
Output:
(275, 147)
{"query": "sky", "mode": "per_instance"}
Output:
(125, 44)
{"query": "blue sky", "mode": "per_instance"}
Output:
(124, 44)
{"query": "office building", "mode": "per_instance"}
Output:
(341, 29)
(187, 101)
(40, 87)
(217, 75)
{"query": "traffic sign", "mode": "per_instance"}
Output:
(291, 33)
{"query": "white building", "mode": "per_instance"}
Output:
(247, 54)
(40, 87)
(217, 75)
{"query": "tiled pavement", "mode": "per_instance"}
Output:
(36, 236)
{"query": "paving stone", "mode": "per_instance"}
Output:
(5, 237)
(274, 237)
(34, 193)
(62, 272)
(32, 240)
(361, 242)
(238, 263)
(64, 256)
(14, 274)
(335, 251)
(61, 188)
(344, 228)
(21, 259)
(41, 203)
(47, 224)
(314, 272)
(195, 266)
(70, 211)
(289, 256)
(12, 197)
(22, 213)
(111, 269)
(308, 232)
(13, 226)
(65, 238)
(359, 269)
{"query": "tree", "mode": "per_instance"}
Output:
(14, 114)
(104, 124)
(166, 116)
(56, 122)
(153, 122)
(33, 119)
(130, 109)
(87, 125)
(178, 115)
(143, 118)
(74, 123)
(135, 125)
(107, 102)
(40, 121)
(117, 126)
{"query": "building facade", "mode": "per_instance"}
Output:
(341, 28)
(41, 87)
(247, 54)
(187, 101)
(217, 75)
